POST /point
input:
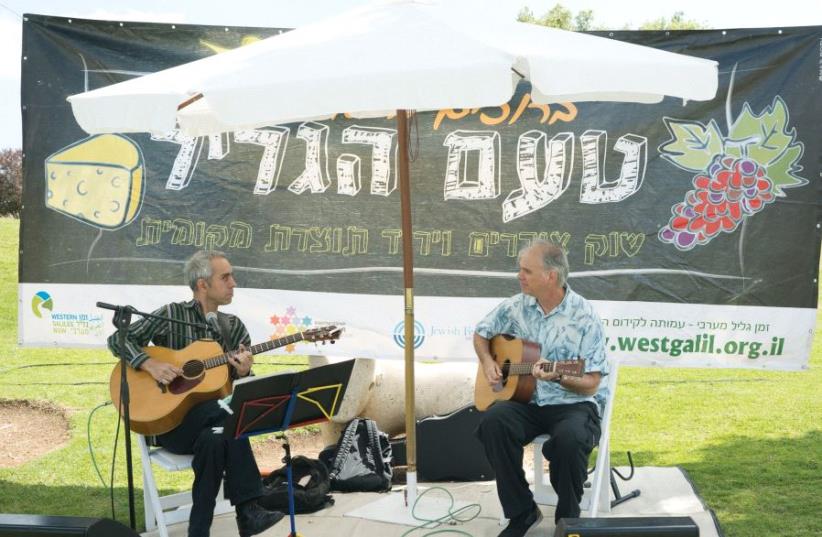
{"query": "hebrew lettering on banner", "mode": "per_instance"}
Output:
(274, 140)
(460, 184)
(536, 193)
(383, 144)
(694, 228)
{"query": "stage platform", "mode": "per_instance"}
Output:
(664, 492)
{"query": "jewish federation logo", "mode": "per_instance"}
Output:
(399, 334)
(41, 300)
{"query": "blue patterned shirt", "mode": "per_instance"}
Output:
(571, 330)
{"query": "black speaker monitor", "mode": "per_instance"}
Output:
(61, 526)
(627, 527)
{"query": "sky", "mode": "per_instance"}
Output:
(292, 13)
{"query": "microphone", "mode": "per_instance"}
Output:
(213, 324)
(106, 306)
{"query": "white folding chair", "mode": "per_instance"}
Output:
(597, 498)
(162, 511)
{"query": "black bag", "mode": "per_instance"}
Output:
(361, 460)
(308, 498)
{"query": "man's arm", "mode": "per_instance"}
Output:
(592, 348)
(585, 385)
(239, 339)
(138, 336)
(482, 347)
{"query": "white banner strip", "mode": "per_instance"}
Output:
(640, 333)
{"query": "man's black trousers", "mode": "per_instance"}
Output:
(507, 427)
(215, 455)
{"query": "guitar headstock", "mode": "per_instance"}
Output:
(573, 368)
(321, 334)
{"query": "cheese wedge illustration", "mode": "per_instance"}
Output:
(98, 181)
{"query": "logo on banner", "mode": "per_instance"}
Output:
(399, 334)
(289, 323)
(67, 323)
(41, 300)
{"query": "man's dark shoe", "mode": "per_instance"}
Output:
(253, 519)
(519, 525)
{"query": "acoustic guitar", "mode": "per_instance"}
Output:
(156, 408)
(516, 358)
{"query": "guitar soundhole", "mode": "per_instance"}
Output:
(193, 369)
(504, 367)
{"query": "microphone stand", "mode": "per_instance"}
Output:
(122, 320)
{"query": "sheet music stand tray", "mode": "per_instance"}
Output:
(277, 402)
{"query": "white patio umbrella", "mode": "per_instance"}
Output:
(392, 56)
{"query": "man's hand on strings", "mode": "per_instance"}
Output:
(163, 372)
(492, 372)
(543, 374)
(241, 360)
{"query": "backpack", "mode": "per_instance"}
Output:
(308, 498)
(361, 460)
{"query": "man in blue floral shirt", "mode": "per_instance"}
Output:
(566, 327)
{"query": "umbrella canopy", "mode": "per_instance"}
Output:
(379, 58)
(397, 55)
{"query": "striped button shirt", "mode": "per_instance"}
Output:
(174, 335)
(569, 331)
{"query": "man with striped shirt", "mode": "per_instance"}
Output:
(211, 279)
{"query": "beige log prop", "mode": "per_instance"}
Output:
(376, 391)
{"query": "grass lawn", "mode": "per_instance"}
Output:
(750, 440)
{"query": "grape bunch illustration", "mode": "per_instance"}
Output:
(736, 176)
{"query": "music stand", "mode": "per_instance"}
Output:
(277, 402)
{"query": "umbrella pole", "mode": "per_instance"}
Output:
(408, 282)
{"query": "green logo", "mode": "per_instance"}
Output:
(41, 300)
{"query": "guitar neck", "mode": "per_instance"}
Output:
(524, 368)
(222, 359)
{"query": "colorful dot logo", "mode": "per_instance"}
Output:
(289, 323)
(41, 300)
(399, 334)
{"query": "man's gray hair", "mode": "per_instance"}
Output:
(199, 266)
(553, 258)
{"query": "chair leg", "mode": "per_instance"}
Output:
(148, 511)
(600, 494)
(543, 493)
(151, 496)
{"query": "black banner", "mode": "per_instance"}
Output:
(709, 202)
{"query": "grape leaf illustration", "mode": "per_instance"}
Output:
(766, 139)
(693, 145)
(783, 171)
(761, 137)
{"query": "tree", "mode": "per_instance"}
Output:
(11, 182)
(559, 17)
(584, 21)
(562, 17)
(677, 22)
(526, 15)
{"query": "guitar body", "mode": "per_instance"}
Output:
(507, 350)
(516, 358)
(157, 410)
